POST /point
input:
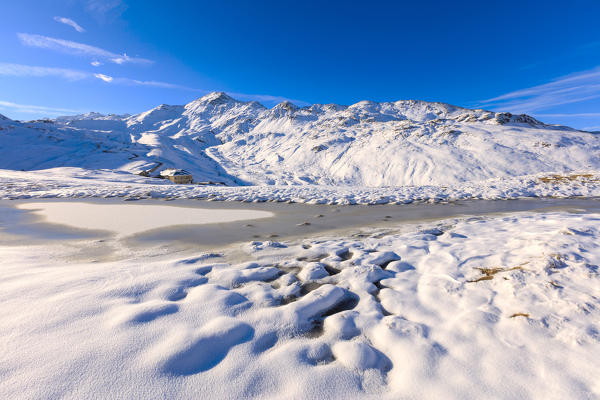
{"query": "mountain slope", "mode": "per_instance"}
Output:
(218, 138)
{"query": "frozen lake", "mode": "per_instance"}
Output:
(206, 224)
(127, 219)
(185, 299)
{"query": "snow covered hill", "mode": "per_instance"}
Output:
(220, 139)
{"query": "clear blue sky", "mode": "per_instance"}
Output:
(537, 57)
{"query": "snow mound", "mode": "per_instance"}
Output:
(459, 319)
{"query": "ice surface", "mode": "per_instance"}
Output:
(127, 219)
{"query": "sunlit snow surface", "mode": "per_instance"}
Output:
(220, 139)
(81, 183)
(126, 219)
(502, 307)
(479, 307)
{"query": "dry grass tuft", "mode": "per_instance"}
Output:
(519, 314)
(489, 273)
(555, 178)
(555, 285)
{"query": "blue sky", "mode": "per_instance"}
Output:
(117, 56)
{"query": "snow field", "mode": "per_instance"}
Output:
(80, 183)
(503, 307)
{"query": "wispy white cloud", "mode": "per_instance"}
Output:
(158, 84)
(574, 88)
(69, 47)
(35, 71)
(70, 22)
(21, 70)
(103, 77)
(96, 63)
(31, 109)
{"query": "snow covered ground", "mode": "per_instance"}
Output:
(81, 183)
(477, 307)
(366, 153)
(499, 307)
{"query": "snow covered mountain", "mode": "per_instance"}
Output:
(221, 139)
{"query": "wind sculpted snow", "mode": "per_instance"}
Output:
(501, 307)
(220, 139)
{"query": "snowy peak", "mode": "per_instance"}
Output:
(164, 112)
(86, 116)
(217, 98)
(224, 110)
(219, 113)
(283, 110)
(220, 139)
(286, 105)
(211, 105)
(326, 108)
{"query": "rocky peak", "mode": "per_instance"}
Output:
(506, 117)
(216, 98)
(286, 105)
(283, 109)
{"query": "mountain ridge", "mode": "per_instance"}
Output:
(219, 138)
(218, 98)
